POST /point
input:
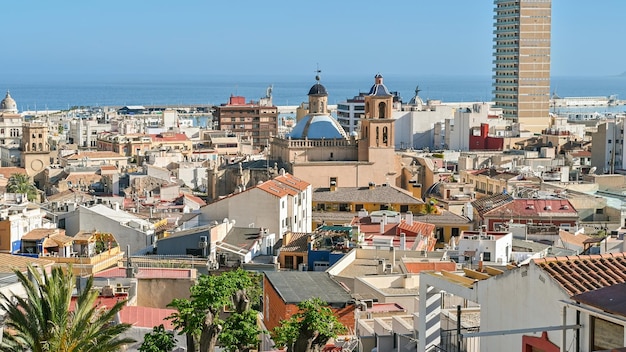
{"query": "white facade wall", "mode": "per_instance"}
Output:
(604, 145)
(349, 114)
(23, 222)
(519, 299)
(84, 132)
(498, 247)
(125, 233)
(194, 177)
(301, 211)
(254, 207)
(415, 129)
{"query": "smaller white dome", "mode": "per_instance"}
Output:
(318, 127)
(8, 104)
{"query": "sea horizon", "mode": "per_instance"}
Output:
(56, 92)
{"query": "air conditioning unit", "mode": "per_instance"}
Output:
(203, 242)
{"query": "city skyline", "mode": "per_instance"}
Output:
(452, 37)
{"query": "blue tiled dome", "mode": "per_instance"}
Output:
(318, 127)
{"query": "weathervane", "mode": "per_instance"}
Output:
(318, 71)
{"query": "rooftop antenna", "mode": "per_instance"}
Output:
(317, 73)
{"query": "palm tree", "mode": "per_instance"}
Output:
(20, 183)
(43, 322)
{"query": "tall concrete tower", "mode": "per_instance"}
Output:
(521, 80)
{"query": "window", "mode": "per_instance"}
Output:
(358, 207)
(344, 207)
(404, 208)
(439, 234)
(606, 335)
(288, 262)
(486, 256)
(455, 232)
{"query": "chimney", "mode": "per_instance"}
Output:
(371, 185)
(409, 217)
(402, 241)
(384, 220)
(282, 172)
(393, 258)
(382, 227)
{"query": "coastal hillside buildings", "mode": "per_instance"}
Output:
(521, 79)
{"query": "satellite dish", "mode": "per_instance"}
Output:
(592, 170)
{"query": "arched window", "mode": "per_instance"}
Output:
(377, 136)
(385, 133)
(40, 146)
(381, 110)
(34, 147)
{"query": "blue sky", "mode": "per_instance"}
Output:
(200, 37)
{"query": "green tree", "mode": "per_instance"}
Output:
(241, 332)
(309, 329)
(43, 322)
(159, 340)
(199, 317)
(20, 183)
(430, 207)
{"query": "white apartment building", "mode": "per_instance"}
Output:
(457, 129)
(349, 113)
(281, 204)
(607, 154)
(18, 217)
(84, 132)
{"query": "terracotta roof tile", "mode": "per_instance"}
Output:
(195, 199)
(293, 181)
(416, 228)
(580, 274)
(276, 188)
(7, 171)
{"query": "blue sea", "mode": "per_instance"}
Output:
(63, 92)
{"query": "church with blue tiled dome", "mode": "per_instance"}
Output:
(319, 151)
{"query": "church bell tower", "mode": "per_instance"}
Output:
(377, 134)
(35, 149)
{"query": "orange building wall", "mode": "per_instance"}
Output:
(278, 310)
(5, 236)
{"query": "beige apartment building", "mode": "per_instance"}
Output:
(255, 121)
(521, 80)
